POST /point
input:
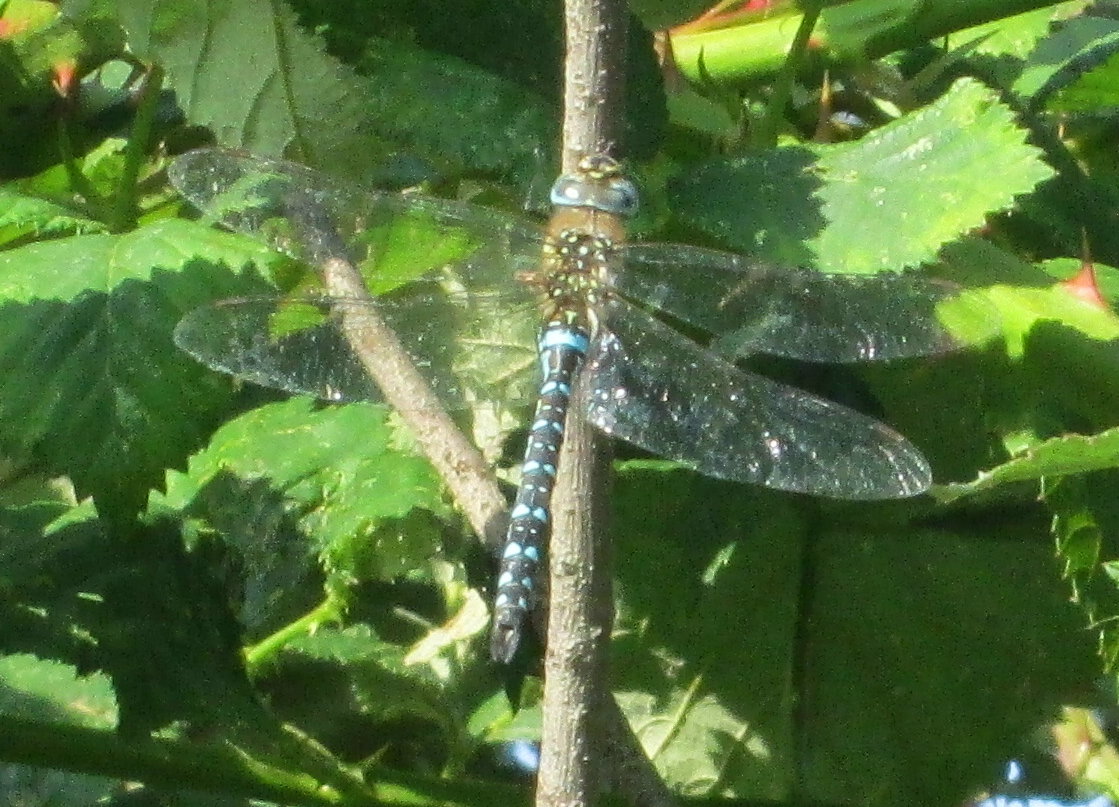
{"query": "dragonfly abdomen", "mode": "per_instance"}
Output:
(563, 346)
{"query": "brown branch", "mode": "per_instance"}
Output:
(593, 79)
(578, 706)
(580, 600)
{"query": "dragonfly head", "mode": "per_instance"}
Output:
(598, 183)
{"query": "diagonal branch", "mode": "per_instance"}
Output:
(460, 465)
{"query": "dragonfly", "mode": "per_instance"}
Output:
(466, 289)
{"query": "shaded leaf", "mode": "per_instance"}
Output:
(352, 490)
(87, 321)
(382, 685)
(42, 787)
(1076, 60)
(704, 633)
(22, 216)
(964, 641)
(290, 97)
(782, 642)
(137, 608)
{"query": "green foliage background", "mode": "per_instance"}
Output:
(212, 590)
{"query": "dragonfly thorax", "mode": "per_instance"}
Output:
(574, 275)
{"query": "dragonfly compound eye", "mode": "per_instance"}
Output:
(615, 195)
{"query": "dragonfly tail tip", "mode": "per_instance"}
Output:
(506, 639)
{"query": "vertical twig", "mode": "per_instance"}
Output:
(580, 600)
(594, 73)
(586, 740)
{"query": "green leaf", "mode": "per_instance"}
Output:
(1082, 514)
(1016, 37)
(356, 645)
(851, 27)
(44, 690)
(884, 203)
(705, 630)
(384, 688)
(520, 43)
(137, 608)
(1107, 277)
(152, 618)
(1092, 93)
(757, 639)
(1078, 61)
(92, 385)
(359, 496)
(285, 90)
(358, 679)
(22, 216)
(1059, 456)
(1024, 310)
(967, 642)
(483, 123)
(290, 97)
(278, 574)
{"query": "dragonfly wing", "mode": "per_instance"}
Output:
(313, 218)
(483, 351)
(651, 386)
(754, 307)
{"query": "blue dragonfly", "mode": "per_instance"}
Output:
(466, 288)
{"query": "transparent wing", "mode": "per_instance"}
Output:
(752, 307)
(481, 351)
(454, 305)
(656, 389)
(311, 217)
